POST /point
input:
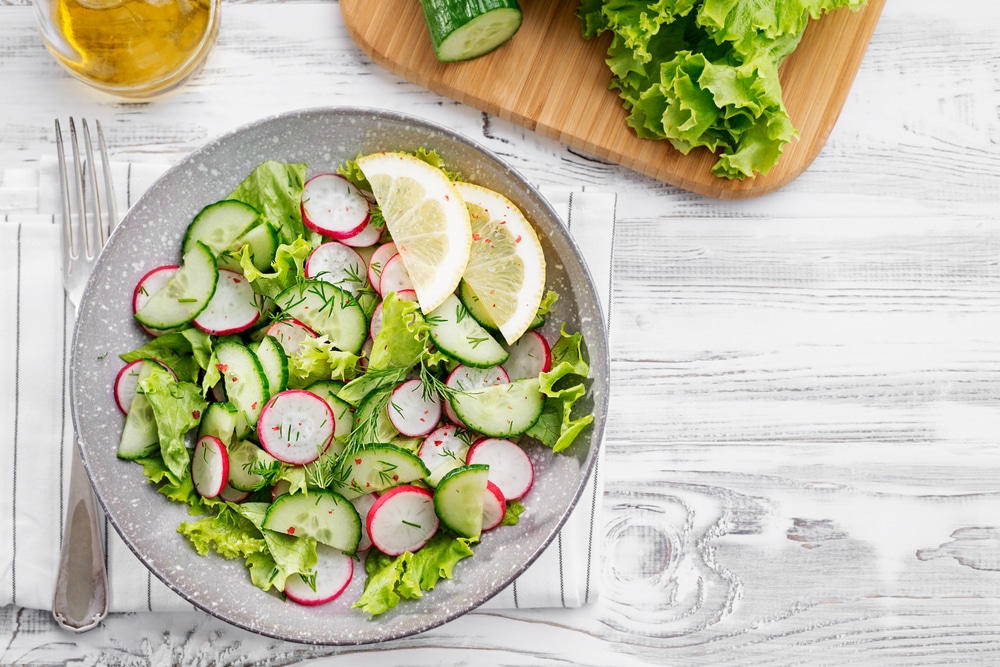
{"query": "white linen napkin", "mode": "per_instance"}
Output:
(36, 427)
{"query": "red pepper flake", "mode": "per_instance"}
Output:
(357, 462)
(196, 414)
(518, 239)
(291, 530)
(222, 368)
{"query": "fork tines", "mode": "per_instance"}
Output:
(89, 231)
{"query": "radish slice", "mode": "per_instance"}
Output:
(465, 378)
(494, 507)
(209, 466)
(338, 265)
(333, 207)
(334, 570)
(363, 504)
(148, 285)
(414, 409)
(295, 426)
(394, 276)
(402, 519)
(376, 324)
(127, 381)
(443, 445)
(377, 262)
(290, 333)
(510, 467)
(528, 356)
(233, 308)
(366, 238)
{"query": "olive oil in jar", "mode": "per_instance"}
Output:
(135, 48)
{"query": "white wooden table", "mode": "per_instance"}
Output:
(803, 453)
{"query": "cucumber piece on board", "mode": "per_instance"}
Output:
(466, 29)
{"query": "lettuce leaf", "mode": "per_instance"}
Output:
(178, 489)
(317, 359)
(227, 533)
(177, 408)
(391, 579)
(563, 385)
(186, 352)
(289, 555)
(287, 267)
(704, 73)
(275, 189)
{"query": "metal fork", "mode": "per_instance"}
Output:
(81, 598)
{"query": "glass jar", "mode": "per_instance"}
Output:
(131, 48)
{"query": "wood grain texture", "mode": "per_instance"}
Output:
(550, 80)
(802, 453)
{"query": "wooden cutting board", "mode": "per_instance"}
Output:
(550, 80)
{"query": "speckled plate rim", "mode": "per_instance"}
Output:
(419, 619)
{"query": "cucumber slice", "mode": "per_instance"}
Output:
(343, 413)
(243, 457)
(379, 467)
(274, 363)
(456, 333)
(465, 29)
(219, 420)
(384, 430)
(327, 309)
(246, 384)
(475, 306)
(502, 410)
(263, 241)
(140, 437)
(325, 516)
(218, 225)
(459, 498)
(186, 293)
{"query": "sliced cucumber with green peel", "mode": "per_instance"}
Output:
(185, 294)
(245, 382)
(384, 431)
(244, 456)
(140, 437)
(343, 413)
(274, 363)
(325, 516)
(475, 306)
(459, 499)
(218, 225)
(502, 410)
(263, 241)
(466, 29)
(456, 333)
(379, 467)
(219, 420)
(327, 309)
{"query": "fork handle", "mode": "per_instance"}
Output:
(81, 598)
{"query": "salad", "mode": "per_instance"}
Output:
(356, 357)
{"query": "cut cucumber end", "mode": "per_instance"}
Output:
(480, 35)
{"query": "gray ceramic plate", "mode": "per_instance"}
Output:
(151, 234)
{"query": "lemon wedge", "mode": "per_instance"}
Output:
(427, 219)
(506, 269)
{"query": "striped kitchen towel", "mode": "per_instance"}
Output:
(36, 426)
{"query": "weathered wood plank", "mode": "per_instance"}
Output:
(801, 456)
